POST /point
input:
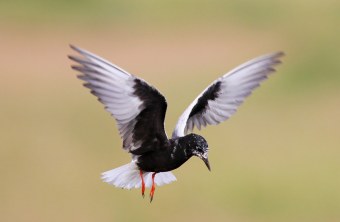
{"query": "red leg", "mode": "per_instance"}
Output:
(143, 184)
(153, 187)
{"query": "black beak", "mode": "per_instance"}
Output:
(206, 161)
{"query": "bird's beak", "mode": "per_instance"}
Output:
(205, 160)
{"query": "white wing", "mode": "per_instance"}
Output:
(125, 97)
(221, 99)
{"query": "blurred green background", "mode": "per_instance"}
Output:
(277, 159)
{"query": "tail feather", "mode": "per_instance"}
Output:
(128, 177)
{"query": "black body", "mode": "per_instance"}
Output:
(173, 153)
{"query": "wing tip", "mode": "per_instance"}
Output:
(81, 51)
(75, 48)
(278, 54)
(73, 58)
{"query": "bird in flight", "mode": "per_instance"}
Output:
(139, 110)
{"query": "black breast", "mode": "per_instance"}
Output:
(168, 158)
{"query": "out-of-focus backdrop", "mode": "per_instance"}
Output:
(277, 159)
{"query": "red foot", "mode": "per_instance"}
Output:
(143, 184)
(153, 187)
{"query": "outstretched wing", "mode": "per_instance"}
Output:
(221, 99)
(138, 108)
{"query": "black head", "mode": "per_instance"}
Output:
(196, 145)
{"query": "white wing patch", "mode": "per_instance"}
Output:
(114, 87)
(234, 87)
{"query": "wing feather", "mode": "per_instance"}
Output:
(129, 99)
(220, 100)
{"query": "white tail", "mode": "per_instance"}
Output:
(128, 177)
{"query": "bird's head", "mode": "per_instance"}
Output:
(198, 146)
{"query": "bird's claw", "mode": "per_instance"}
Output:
(151, 194)
(153, 188)
(143, 184)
